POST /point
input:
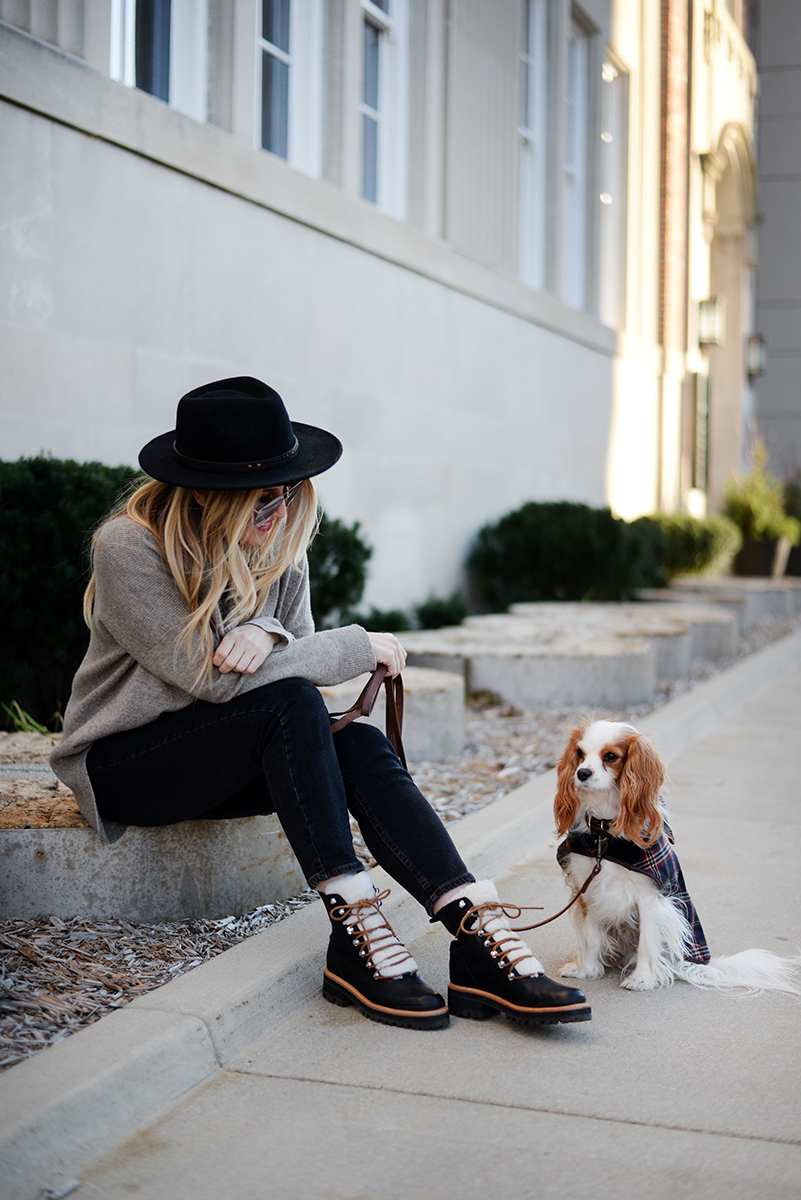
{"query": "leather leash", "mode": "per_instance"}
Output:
(364, 706)
(600, 847)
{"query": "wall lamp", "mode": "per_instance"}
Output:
(712, 321)
(756, 353)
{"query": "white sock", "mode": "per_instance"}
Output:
(495, 923)
(389, 955)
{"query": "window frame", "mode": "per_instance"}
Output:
(305, 62)
(188, 81)
(534, 145)
(392, 115)
(576, 165)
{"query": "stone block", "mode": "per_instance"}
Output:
(764, 597)
(433, 712)
(733, 603)
(545, 667)
(195, 869)
(667, 632)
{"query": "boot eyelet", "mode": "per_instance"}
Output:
(362, 953)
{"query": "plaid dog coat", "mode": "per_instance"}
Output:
(659, 862)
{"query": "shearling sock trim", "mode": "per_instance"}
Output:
(389, 956)
(483, 891)
(351, 887)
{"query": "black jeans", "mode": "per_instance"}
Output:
(271, 751)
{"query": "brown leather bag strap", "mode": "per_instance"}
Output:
(365, 702)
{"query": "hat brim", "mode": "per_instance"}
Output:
(317, 451)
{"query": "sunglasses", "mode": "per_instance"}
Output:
(269, 508)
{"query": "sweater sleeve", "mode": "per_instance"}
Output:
(138, 605)
(293, 615)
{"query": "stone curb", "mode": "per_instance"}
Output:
(62, 1109)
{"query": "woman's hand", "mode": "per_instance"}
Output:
(388, 651)
(244, 649)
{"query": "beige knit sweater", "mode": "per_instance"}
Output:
(136, 667)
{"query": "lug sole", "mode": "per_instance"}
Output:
(480, 1006)
(338, 991)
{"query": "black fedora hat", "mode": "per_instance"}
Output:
(236, 434)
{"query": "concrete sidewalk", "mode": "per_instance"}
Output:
(241, 1082)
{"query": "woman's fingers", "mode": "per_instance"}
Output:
(243, 649)
(388, 651)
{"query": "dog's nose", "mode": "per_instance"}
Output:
(584, 774)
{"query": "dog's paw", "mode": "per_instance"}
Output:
(574, 970)
(639, 983)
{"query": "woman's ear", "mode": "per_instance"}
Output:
(566, 802)
(640, 819)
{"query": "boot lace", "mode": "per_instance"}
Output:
(492, 926)
(374, 937)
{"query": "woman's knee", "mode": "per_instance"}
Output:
(287, 694)
(362, 744)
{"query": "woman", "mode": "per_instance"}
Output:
(197, 698)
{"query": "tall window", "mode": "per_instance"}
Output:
(614, 155)
(161, 47)
(574, 239)
(290, 53)
(275, 64)
(533, 148)
(384, 103)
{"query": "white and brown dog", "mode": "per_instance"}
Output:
(636, 913)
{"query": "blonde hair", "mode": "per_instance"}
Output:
(201, 546)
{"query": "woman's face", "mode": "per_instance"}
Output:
(257, 535)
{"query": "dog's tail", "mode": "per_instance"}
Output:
(754, 970)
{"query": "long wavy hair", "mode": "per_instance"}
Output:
(201, 546)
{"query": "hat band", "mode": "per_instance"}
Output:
(200, 464)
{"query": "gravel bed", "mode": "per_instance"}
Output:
(59, 976)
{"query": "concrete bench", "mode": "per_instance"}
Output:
(763, 597)
(670, 636)
(551, 668)
(195, 869)
(711, 632)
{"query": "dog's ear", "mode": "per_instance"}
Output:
(566, 803)
(640, 819)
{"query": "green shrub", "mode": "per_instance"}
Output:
(338, 560)
(792, 497)
(695, 545)
(48, 509)
(439, 612)
(389, 620)
(564, 551)
(755, 502)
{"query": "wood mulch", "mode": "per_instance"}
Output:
(58, 976)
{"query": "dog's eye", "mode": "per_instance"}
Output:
(580, 755)
(610, 757)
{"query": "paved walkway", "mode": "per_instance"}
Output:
(675, 1093)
